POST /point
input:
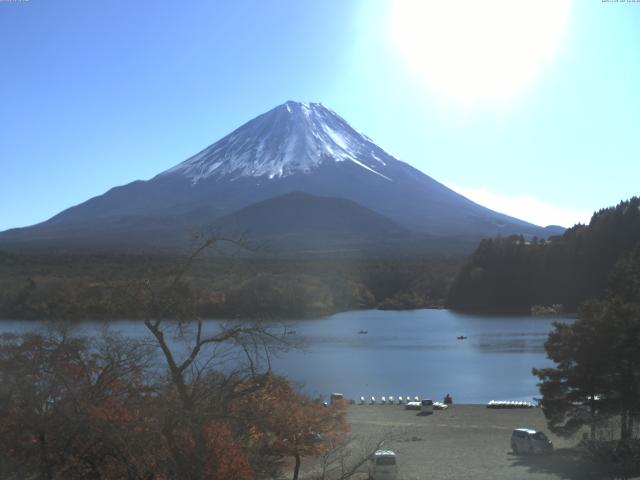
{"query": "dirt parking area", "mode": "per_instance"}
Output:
(468, 442)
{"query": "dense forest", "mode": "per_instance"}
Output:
(511, 274)
(100, 286)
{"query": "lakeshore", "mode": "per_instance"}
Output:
(466, 441)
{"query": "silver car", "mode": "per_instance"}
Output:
(426, 406)
(383, 465)
(526, 440)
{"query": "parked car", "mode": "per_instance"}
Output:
(383, 465)
(336, 397)
(413, 406)
(426, 405)
(525, 440)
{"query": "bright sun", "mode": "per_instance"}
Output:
(472, 50)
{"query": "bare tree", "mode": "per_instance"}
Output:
(210, 370)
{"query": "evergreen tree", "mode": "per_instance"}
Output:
(509, 274)
(597, 372)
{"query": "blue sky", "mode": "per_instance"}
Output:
(545, 127)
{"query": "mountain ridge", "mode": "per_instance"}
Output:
(294, 147)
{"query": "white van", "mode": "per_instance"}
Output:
(334, 397)
(525, 440)
(426, 405)
(383, 465)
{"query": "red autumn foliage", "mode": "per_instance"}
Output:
(72, 409)
(287, 424)
(231, 462)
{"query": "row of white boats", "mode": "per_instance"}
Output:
(390, 400)
(408, 402)
(509, 404)
(416, 402)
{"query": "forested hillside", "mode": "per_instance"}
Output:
(511, 275)
(101, 286)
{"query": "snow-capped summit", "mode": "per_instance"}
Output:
(292, 138)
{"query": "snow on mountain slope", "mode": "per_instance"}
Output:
(292, 138)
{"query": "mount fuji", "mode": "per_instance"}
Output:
(302, 154)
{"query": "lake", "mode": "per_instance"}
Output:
(413, 352)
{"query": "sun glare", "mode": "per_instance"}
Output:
(471, 50)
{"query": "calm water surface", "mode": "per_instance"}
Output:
(404, 353)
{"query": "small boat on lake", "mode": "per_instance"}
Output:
(461, 337)
(363, 332)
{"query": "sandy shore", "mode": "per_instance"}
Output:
(467, 442)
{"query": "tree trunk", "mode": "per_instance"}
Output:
(45, 470)
(630, 425)
(624, 432)
(592, 411)
(296, 469)
(201, 453)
